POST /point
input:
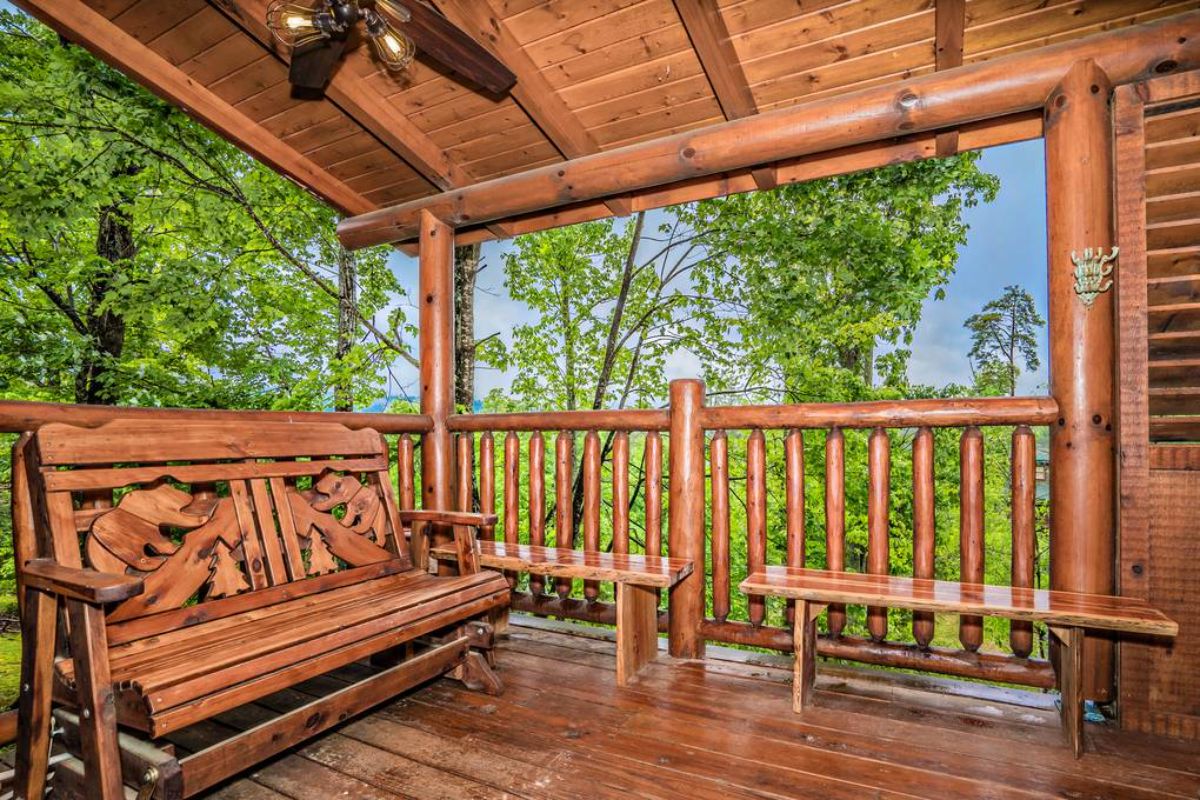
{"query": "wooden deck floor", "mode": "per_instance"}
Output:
(703, 731)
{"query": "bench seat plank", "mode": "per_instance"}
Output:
(165, 672)
(1097, 612)
(638, 570)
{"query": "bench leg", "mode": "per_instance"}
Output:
(97, 706)
(38, 627)
(805, 640)
(637, 630)
(1070, 684)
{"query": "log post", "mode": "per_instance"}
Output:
(685, 517)
(436, 319)
(1079, 200)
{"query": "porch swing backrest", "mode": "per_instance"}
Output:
(216, 518)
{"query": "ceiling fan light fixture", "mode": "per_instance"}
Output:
(395, 49)
(295, 24)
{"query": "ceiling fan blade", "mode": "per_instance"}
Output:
(313, 64)
(438, 38)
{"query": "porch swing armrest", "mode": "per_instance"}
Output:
(86, 585)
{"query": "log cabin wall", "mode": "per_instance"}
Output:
(1157, 125)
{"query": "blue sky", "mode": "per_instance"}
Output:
(1006, 245)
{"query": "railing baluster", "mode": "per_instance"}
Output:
(537, 502)
(793, 455)
(564, 475)
(404, 471)
(591, 506)
(970, 526)
(512, 489)
(654, 461)
(879, 458)
(487, 473)
(466, 471)
(835, 518)
(924, 526)
(620, 493)
(718, 454)
(1024, 465)
(756, 516)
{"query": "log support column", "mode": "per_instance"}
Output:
(436, 318)
(1079, 199)
(685, 525)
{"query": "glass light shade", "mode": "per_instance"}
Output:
(294, 24)
(392, 47)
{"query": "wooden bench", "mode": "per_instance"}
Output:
(1067, 614)
(637, 578)
(237, 560)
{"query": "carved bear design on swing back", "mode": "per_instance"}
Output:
(265, 532)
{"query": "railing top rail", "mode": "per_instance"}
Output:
(17, 416)
(624, 419)
(931, 413)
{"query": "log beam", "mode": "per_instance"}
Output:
(1004, 86)
(436, 300)
(685, 524)
(1079, 204)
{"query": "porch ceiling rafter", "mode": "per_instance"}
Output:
(710, 39)
(532, 92)
(77, 22)
(1001, 87)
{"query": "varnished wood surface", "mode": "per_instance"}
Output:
(616, 567)
(711, 730)
(80, 584)
(23, 415)
(1099, 612)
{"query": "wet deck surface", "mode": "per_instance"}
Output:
(702, 731)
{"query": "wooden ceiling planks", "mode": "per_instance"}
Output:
(1000, 27)
(600, 74)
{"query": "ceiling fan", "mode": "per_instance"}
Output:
(319, 33)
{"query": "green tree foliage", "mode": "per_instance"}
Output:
(147, 261)
(1003, 336)
(804, 284)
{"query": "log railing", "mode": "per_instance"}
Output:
(596, 480)
(547, 472)
(879, 422)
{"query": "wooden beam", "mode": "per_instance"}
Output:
(436, 303)
(533, 93)
(1004, 86)
(78, 23)
(976, 136)
(356, 98)
(710, 39)
(1079, 216)
(951, 27)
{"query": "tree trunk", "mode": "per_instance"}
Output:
(347, 327)
(466, 267)
(106, 328)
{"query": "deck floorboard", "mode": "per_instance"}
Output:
(717, 729)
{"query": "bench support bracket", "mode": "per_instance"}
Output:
(637, 630)
(805, 640)
(1070, 684)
